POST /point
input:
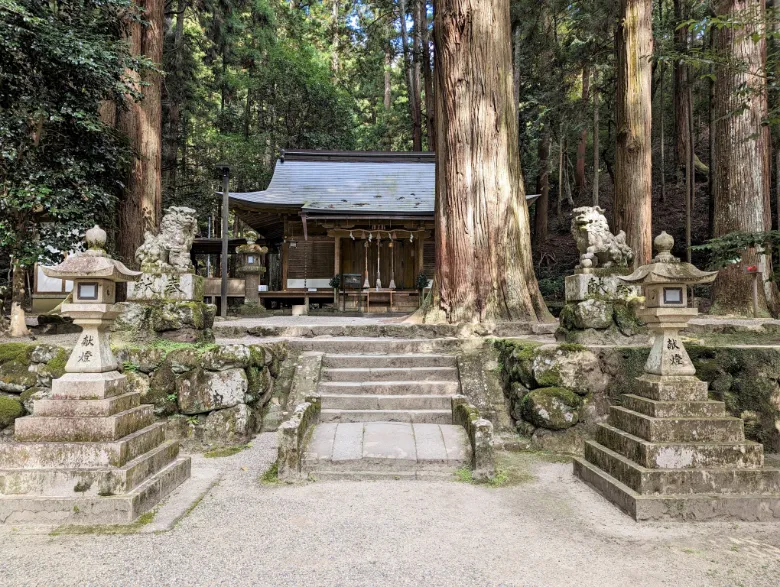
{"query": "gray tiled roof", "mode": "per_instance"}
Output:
(356, 187)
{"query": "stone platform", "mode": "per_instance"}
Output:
(669, 453)
(385, 450)
(91, 454)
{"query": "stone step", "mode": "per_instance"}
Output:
(385, 450)
(88, 385)
(419, 474)
(762, 507)
(677, 429)
(74, 455)
(661, 409)
(69, 408)
(672, 388)
(411, 416)
(376, 374)
(681, 455)
(389, 387)
(88, 482)
(681, 481)
(406, 361)
(80, 429)
(115, 509)
(386, 402)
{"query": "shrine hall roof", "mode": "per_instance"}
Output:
(348, 182)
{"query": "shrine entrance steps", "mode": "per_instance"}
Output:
(671, 453)
(387, 416)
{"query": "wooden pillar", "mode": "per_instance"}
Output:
(337, 255)
(285, 257)
(420, 261)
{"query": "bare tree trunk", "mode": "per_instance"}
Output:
(430, 102)
(141, 204)
(633, 157)
(582, 145)
(595, 142)
(388, 67)
(681, 117)
(516, 65)
(543, 187)
(484, 269)
(414, 94)
(334, 36)
(741, 146)
(172, 104)
(18, 326)
(559, 201)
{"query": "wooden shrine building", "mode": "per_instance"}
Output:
(328, 213)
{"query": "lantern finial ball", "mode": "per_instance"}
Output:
(96, 240)
(664, 243)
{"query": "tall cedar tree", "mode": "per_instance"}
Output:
(741, 174)
(633, 159)
(484, 269)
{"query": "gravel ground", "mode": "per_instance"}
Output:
(334, 320)
(552, 530)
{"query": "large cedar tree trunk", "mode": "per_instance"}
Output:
(484, 269)
(741, 174)
(141, 203)
(172, 104)
(633, 157)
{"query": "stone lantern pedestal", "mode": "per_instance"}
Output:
(668, 451)
(91, 453)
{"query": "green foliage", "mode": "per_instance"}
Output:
(335, 282)
(422, 281)
(728, 249)
(228, 451)
(271, 476)
(10, 410)
(60, 166)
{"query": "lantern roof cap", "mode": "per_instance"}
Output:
(92, 263)
(666, 268)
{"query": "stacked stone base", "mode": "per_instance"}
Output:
(671, 453)
(91, 454)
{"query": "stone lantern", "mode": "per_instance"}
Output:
(91, 452)
(665, 282)
(94, 275)
(668, 451)
(252, 266)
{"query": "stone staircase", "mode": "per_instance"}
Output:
(387, 416)
(671, 453)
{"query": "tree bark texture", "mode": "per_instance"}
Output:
(582, 145)
(141, 204)
(633, 157)
(172, 104)
(484, 269)
(741, 175)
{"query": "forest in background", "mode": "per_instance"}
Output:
(238, 80)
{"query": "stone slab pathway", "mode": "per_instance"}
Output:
(386, 447)
(550, 530)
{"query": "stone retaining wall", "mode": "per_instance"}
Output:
(210, 395)
(559, 393)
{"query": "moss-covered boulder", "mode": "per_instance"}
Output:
(230, 426)
(29, 397)
(10, 409)
(162, 393)
(570, 366)
(202, 391)
(144, 358)
(230, 356)
(259, 384)
(593, 314)
(184, 359)
(15, 361)
(553, 408)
